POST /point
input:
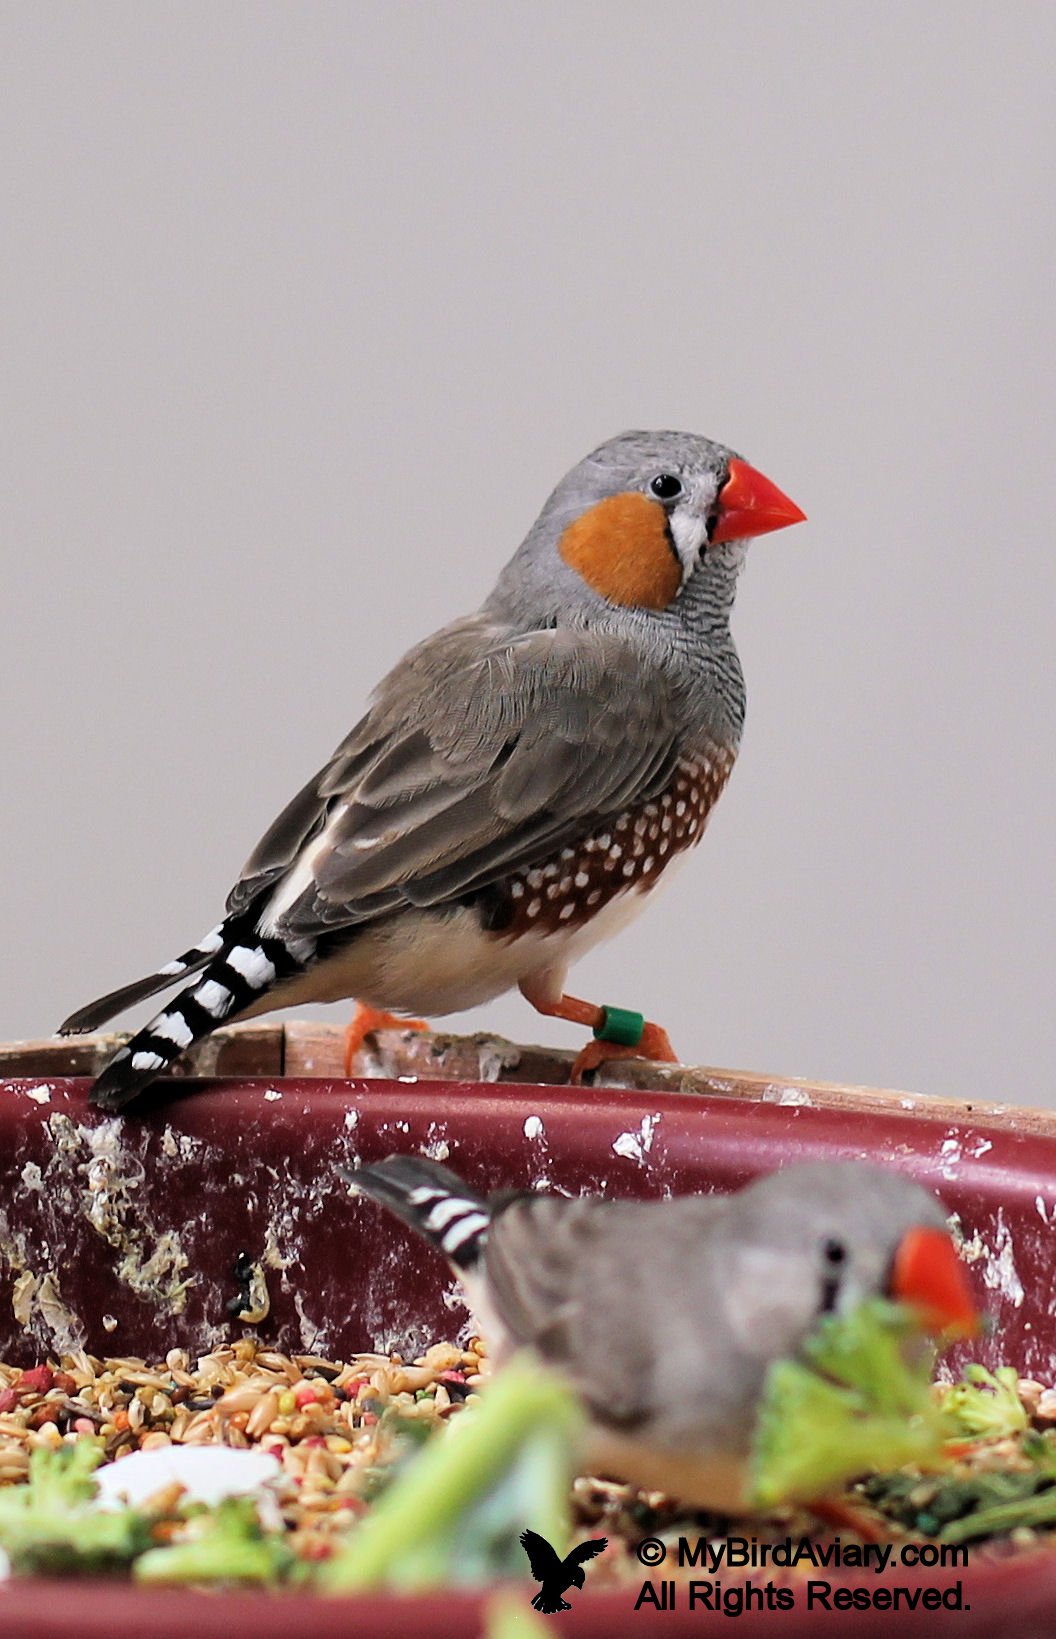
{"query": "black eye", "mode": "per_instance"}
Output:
(834, 1253)
(665, 486)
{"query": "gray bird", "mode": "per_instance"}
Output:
(666, 1315)
(519, 785)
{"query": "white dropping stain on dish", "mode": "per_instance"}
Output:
(1039, 1202)
(533, 1127)
(271, 1095)
(635, 1145)
(407, 1080)
(1000, 1273)
(949, 1157)
(40, 1095)
(351, 1120)
(908, 1103)
(981, 1148)
(795, 1096)
(436, 1146)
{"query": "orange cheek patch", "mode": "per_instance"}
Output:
(622, 549)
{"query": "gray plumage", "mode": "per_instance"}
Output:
(667, 1315)
(503, 739)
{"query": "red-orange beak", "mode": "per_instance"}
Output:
(750, 504)
(929, 1276)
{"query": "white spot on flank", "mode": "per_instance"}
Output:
(253, 966)
(565, 912)
(174, 1027)
(534, 907)
(533, 1127)
(214, 997)
(581, 879)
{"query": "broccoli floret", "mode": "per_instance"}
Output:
(860, 1399)
(51, 1527)
(222, 1544)
(985, 1405)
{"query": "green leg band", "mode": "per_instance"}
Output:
(620, 1025)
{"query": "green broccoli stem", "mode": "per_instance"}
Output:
(220, 1558)
(1002, 1517)
(458, 1467)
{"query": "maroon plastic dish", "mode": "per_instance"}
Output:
(139, 1222)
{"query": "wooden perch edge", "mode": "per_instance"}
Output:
(306, 1048)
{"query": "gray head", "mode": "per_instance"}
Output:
(650, 523)
(822, 1237)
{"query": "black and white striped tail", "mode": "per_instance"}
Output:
(433, 1200)
(116, 1001)
(247, 965)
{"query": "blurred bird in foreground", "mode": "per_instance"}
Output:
(666, 1316)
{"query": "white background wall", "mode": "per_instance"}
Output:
(306, 307)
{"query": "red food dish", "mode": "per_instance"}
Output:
(214, 1170)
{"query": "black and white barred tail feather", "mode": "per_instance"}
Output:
(246, 965)
(443, 1209)
(116, 1001)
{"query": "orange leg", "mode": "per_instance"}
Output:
(365, 1021)
(652, 1044)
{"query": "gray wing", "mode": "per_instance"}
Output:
(557, 1279)
(482, 750)
(590, 1285)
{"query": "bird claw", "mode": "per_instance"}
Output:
(655, 1045)
(366, 1021)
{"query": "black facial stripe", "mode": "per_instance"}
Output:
(670, 539)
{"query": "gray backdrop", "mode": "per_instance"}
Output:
(305, 307)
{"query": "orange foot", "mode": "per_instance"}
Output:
(655, 1044)
(365, 1021)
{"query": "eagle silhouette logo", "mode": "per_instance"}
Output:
(557, 1575)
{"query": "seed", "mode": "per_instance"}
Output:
(263, 1414)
